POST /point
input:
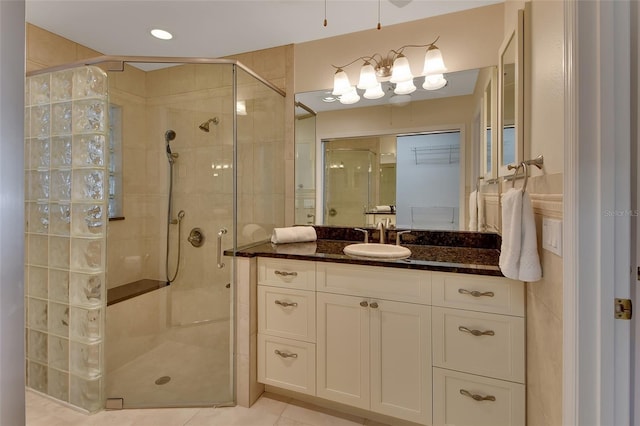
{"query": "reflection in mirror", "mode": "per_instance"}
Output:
(305, 137)
(449, 111)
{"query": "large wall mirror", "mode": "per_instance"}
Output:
(511, 93)
(407, 160)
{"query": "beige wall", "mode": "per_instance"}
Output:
(468, 39)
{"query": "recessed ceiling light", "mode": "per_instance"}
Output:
(161, 34)
(329, 99)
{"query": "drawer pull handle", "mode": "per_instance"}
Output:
(286, 274)
(364, 303)
(285, 354)
(476, 293)
(286, 304)
(477, 397)
(476, 332)
(374, 305)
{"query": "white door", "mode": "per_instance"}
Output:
(343, 349)
(401, 360)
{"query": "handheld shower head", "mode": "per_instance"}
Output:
(205, 126)
(169, 135)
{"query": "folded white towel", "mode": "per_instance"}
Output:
(307, 248)
(293, 234)
(473, 211)
(519, 252)
(384, 209)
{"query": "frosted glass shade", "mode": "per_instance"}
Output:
(375, 92)
(433, 62)
(401, 70)
(434, 82)
(341, 83)
(404, 88)
(350, 97)
(368, 78)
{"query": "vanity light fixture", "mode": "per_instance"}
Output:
(395, 68)
(161, 34)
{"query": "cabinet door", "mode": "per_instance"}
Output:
(401, 360)
(343, 349)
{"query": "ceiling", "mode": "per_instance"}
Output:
(217, 28)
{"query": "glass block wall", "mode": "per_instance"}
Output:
(66, 209)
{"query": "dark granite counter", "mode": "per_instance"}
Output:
(473, 253)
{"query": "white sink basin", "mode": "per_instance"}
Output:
(379, 251)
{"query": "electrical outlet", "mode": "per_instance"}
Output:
(552, 235)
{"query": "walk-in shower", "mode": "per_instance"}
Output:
(102, 323)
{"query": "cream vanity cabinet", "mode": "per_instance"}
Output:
(478, 350)
(374, 339)
(427, 347)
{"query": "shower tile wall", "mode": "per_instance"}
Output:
(66, 207)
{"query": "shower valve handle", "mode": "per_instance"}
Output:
(221, 232)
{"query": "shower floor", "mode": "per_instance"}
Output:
(196, 361)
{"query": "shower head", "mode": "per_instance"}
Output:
(169, 135)
(205, 126)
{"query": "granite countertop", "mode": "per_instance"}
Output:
(472, 255)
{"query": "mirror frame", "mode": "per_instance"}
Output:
(517, 37)
(489, 98)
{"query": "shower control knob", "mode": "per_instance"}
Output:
(196, 237)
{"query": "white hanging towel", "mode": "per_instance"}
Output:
(293, 234)
(519, 252)
(473, 211)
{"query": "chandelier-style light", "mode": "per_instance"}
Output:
(395, 68)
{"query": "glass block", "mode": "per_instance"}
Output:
(61, 118)
(89, 82)
(59, 285)
(27, 122)
(86, 324)
(37, 376)
(85, 359)
(88, 185)
(59, 353)
(37, 346)
(87, 255)
(85, 393)
(59, 319)
(37, 314)
(60, 219)
(61, 152)
(38, 250)
(89, 116)
(39, 153)
(58, 384)
(38, 219)
(60, 185)
(40, 121)
(39, 87)
(88, 219)
(61, 85)
(38, 282)
(89, 151)
(86, 289)
(38, 185)
(59, 252)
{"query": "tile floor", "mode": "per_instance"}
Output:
(269, 410)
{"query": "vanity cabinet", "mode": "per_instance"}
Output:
(427, 347)
(478, 350)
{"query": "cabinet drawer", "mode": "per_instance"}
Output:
(486, 344)
(402, 285)
(286, 363)
(454, 403)
(287, 273)
(479, 293)
(287, 313)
